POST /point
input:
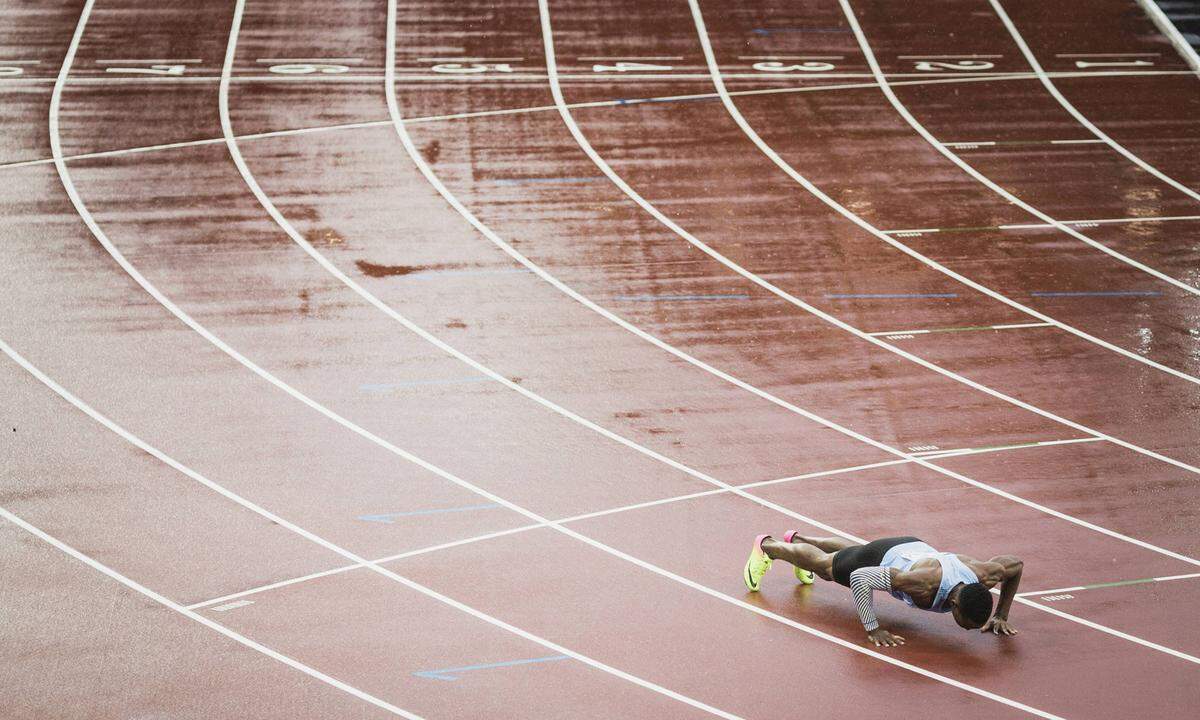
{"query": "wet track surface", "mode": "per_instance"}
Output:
(411, 358)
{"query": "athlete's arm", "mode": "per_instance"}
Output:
(1009, 578)
(863, 582)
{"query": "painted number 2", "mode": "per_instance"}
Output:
(930, 66)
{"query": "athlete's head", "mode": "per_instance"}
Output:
(972, 606)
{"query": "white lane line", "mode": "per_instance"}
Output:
(1100, 586)
(532, 109)
(1086, 141)
(233, 605)
(615, 511)
(1013, 326)
(903, 111)
(791, 57)
(207, 622)
(1164, 24)
(1080, 117)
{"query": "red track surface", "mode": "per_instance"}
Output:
(244, 359)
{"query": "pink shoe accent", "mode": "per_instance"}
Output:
(787, 536)
(758, 541)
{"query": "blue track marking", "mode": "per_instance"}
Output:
(889, 296)
(1100, 293)
(452, 673)
(385, 387)
(388, 518)
(677, 298)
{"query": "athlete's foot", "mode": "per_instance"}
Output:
(804, 576)
(757, 565)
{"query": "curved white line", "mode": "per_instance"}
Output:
(617, 180)
(783, 165)
(197, 617)
(86, 215)
(1080, 117)
(1167, 28)
(987, 182)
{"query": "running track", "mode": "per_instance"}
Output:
(433, 360)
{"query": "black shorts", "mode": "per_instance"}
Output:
(849, 559)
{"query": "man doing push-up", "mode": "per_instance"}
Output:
(905, 567)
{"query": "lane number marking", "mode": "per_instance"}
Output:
(775, 66)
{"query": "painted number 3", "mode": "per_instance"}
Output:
(773, 66)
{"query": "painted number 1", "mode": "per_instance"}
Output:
(152, 70)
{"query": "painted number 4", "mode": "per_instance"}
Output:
(473, 68)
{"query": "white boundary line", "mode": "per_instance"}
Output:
(1085, 122)
(1167, 28)
(206, 622)
(548, 108)
(1105, 586)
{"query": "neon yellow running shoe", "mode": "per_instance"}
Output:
(805, 577)
(757, 565)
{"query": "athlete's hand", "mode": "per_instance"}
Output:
(999, 626)
(883, 638)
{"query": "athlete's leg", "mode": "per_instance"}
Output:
(802, 555)
(828, 544)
